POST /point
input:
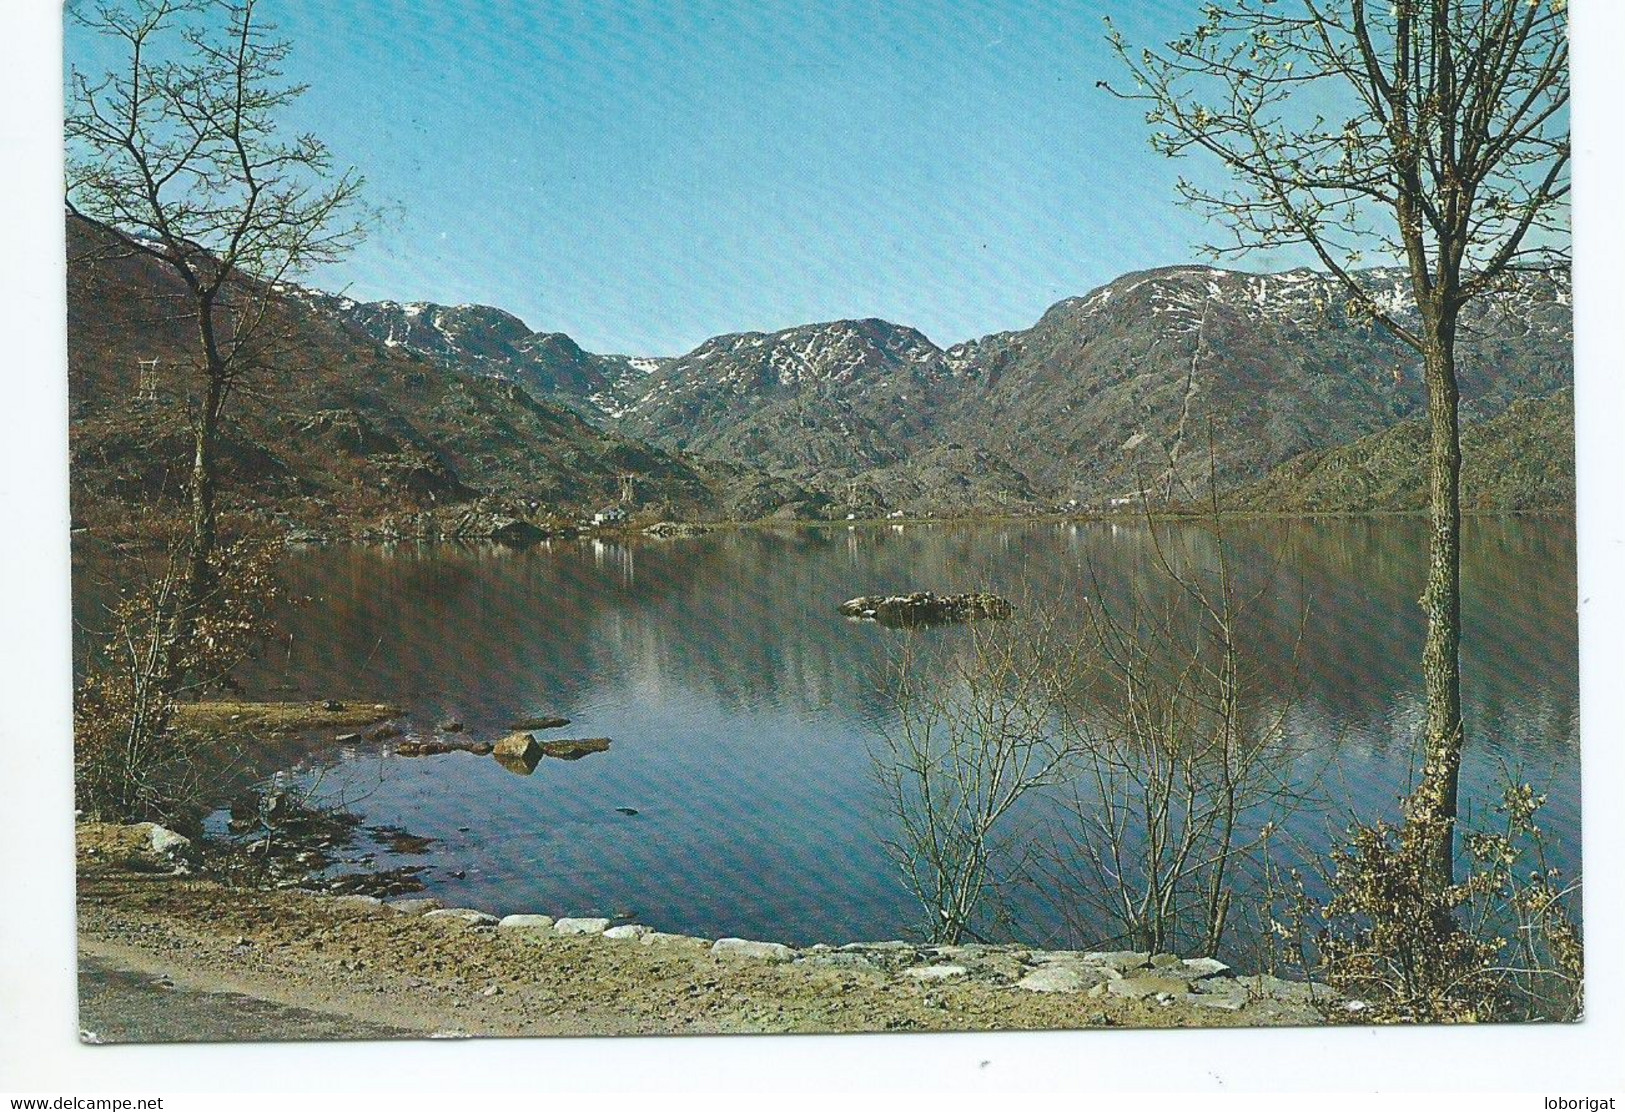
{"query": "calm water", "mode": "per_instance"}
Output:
(744, 710)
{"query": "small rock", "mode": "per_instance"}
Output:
(748, 949)
(1136, 988)
(519, 746)
(628, 930)
(1206, 967)
(465, 915)
(935, 972)
(1053, 978)
(491, 990)
(526, 923)
(581, 926)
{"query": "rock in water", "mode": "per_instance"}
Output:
(926, 608)
(519, 746)
(573, 749)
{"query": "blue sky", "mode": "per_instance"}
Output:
(643, 174)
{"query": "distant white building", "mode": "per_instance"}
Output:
(609, 515)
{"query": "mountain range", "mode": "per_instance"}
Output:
(1122, 389)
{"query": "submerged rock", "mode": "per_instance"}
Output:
(573, 749)
(926, 608)
(540, 722)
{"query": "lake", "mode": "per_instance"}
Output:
(746, 713)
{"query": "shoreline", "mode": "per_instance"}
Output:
(702, 528)
(413, 967)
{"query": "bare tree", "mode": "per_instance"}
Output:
(180, 156)
(1433, 132)
(1180, 761)
(974, 737)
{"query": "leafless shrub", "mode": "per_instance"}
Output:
(974, 737)
(1180, 761)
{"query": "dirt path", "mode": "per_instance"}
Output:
(167, 958)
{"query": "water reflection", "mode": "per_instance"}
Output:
(744, 708)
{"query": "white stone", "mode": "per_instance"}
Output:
(525, 923)
(166, 842)
(661, 938)
(629, 930)
(1205, 967)
(1052, 978)
(746, 948)
(935, 972)
(581, 926)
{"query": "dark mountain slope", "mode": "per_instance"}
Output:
(1520, 459)
(336, 431)
(1119, 388)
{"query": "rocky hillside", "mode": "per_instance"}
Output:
(1120, 388)
(1104, 394)
(338, 432)
(485, 340)
(1520, 459)
(380, 405)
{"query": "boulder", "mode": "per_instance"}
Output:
(1206, 967)
(581, 926)
(526, 924)
(628, 932)
(1056, 978)
(518, 746)
(1148, 984)
(935, 972)
(746, 949)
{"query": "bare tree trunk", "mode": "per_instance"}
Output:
(1435, 800)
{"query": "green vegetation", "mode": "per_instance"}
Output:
(1520, 460)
